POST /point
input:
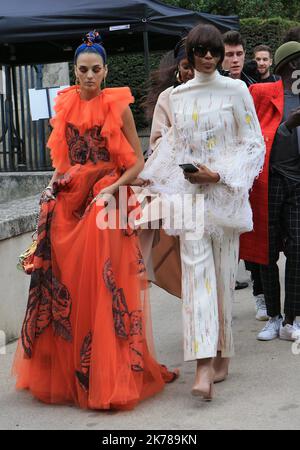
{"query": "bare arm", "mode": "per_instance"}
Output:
(48, 191)
(131, 135)
(55, 176)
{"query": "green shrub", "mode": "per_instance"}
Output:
(265, 31)
(129, 70)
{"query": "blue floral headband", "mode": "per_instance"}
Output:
(92, 40)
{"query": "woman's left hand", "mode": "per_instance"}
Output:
(106, 193)
(140, 182)
(203, 176)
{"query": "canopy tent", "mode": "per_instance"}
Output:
(33, 31)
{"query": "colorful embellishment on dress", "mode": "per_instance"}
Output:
(90, 145)
(128, 324)
(248, 119)
(85, 362)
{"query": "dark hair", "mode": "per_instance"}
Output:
(206, 36)
(262, 48)
(293, 34)
(163, 78)
(179, 50)
(233, 38)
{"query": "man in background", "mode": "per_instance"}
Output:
(275, 197)
(262, 54)
(234, 66)
(234, 60)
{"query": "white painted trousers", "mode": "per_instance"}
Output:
(209, 268)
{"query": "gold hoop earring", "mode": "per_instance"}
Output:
(76, 80)
(177, 76)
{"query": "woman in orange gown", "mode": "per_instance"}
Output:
(84, 338)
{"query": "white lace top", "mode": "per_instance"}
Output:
(214, 123)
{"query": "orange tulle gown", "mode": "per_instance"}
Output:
(85, 338)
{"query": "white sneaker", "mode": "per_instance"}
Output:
(297, 324)
(271, 329)
(261, 309)
(289, 332)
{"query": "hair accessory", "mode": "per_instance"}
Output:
(92, 40)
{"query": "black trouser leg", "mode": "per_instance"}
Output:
(254, 268)
(270, 273)
(291, 221)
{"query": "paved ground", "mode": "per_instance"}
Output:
(262, 392)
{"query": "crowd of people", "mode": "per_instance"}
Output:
(86, 337)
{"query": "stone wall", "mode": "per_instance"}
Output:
(14, 286)
(16, 185)
(56, 75)
(19, 199)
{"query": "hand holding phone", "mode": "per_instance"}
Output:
(189, 168)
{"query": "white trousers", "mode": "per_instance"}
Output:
(209, 268)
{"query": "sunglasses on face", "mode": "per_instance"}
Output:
(201, 51)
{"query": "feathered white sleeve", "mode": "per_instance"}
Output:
(162, 168)
(242, 163)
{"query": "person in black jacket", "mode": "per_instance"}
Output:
(262, 54)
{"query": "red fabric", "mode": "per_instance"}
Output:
(269, 101)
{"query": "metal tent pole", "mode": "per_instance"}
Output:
(9, 118)
(146, 53)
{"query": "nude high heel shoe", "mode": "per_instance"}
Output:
(204, 382)
(221, 366)
(207, 395)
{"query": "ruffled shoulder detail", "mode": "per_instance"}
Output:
(57, 142)
(115, 101)
(64, 102)
(118, 97)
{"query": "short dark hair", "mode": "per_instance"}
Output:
(262, 48)
(206, 36)
(293, 34)
(234, 38)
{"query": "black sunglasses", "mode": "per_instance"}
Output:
(201, 51)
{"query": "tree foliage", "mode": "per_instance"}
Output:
(243, 8)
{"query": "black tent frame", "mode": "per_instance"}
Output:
(35, 32)
(31, 30)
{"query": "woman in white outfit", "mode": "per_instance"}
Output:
(214, 126)
(161, 252)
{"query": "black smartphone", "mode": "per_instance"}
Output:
(189, 168)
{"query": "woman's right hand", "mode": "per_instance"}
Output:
(47, 194)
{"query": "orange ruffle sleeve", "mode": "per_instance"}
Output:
(105, 111)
